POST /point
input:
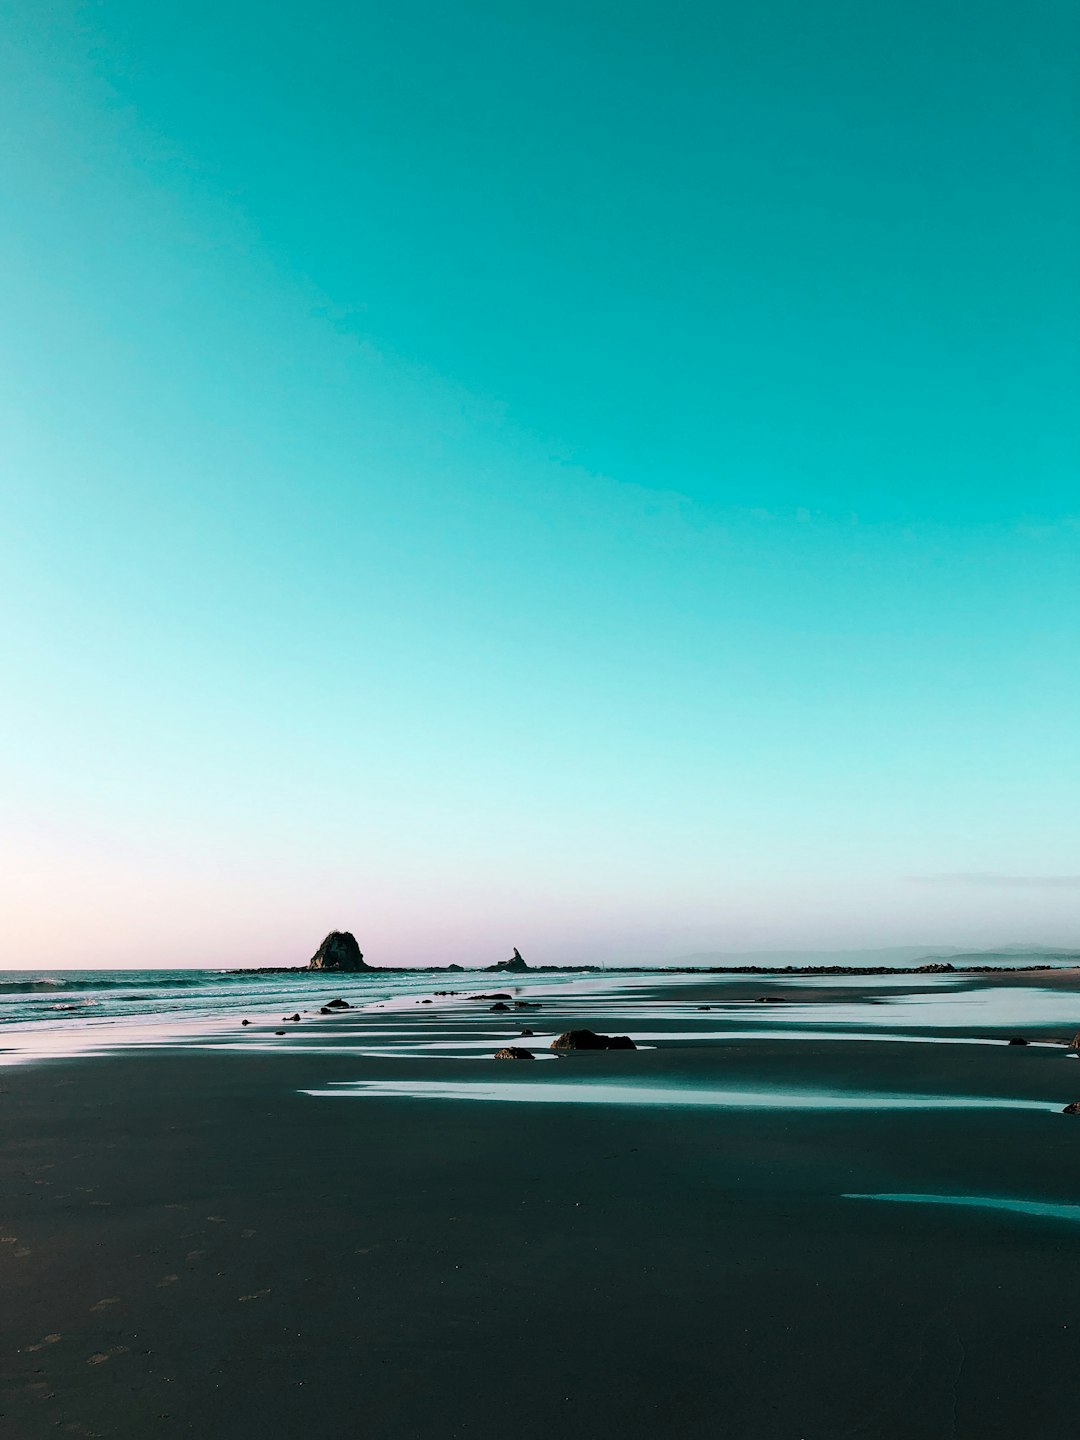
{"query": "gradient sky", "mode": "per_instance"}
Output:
(594, 477)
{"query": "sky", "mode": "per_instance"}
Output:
(600, 478)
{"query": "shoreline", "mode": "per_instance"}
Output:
(246, 1235)
(932, 968)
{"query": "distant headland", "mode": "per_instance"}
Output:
(340, 954)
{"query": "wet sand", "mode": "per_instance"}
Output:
(195, 1245)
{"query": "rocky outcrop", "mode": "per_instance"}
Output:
(339, 951)
(589, 1040)
(499, 1005)
(935, 967)
(1019, 1040)
(514, 1052)
(1073, 1109)
(515, 964)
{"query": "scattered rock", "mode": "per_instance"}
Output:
(589, 1040)
(499, 1006)
(514, 1052)
(339, 951)
(935, 967)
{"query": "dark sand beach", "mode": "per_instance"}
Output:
(196, 1244)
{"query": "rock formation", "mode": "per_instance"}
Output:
(514, 1052)
(515, 963)
(589, 1040)
(339, 951)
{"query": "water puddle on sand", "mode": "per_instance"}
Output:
(1044, 1209)
(588, 1093)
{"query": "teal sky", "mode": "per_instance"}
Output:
(596, 477)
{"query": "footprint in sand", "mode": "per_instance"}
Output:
(104, 1304)
(45, 1340)
(21, 1250)
(8, 1239)
(258, 1294)
(217, 1219)
(246, 1234)
(167, 1280)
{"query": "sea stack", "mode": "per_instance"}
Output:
(515, 963)
(339, 951)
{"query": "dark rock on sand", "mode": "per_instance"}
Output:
(455, 967)
(500, 1006)
(495, 995)
(290, 1017)
(589, 1040)
(1019, 1040)
(514, 1052)
(279, 1032)
(704, 1007)
(245, 1022)
(338, 1005)
(935, 967)
(1073, 1109)
(339, 951)
(527, 1033)
(527, 1005)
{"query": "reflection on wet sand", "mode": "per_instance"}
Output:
(599, 1093)
(1042, 1208)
